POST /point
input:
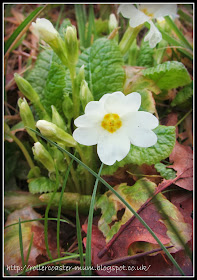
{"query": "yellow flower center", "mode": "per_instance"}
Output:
(145, 11)
(111, 122)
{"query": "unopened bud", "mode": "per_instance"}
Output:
(25, 87)
(85, 94)
(71, 44)
(57, 119)
(59, 159)
(113, 23)
(44, 28)
(27, 117)
(81, 75)
(67, 107)
(42, 155)
(56, 134)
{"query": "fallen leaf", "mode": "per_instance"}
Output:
(182, 158)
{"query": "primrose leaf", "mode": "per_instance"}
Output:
(145, 57)
(164, 171)
(41, 185)
(162, 149)
(55, 88)
(168, 75)
(183, 97)
(37, 77)
(103, 67)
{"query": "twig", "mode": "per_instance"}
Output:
(128, 258)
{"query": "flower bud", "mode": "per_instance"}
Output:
(57, 119)
(42, 155)
(85, 94)
(25, 87)
(67, 107)
(44, 28)
(59, 159)
(81, 75)
(27, 117)
(71, 44)
(56, 134)
(113, 23)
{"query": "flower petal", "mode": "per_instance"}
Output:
(141, 119)
(165, 10)
(87, 120)
(114, 103)
(153, 36)
(136, 16)
(93, 106)
(142, 137)
(132, 102)
(86, 135)
(112, 147)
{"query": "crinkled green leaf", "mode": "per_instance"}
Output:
(162, 149)
(166, 173)
(183, 97)
(41, 185)
(136, 196)
(103, 67)
(168, 75)
(55, 86)
(145, 57)
(37, 77)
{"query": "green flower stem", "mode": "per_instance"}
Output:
(73, 174)
(76, 104)
(25, 152)
(89, 177)
(128, 38)
(184, 117)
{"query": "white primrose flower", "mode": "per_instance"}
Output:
(145, 13)
(44, 28)
(114, 123)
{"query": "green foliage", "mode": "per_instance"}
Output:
(183, 97)
(152, 155)
(41, 185)
(166, 173)
(168, 75)
(53, 93)
(145, 56)
(103, 67)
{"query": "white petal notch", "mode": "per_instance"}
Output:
(114, 123)
(146, 13)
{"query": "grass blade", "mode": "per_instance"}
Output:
(47, 212)
(28, 253)
(80, 23)
(60, 205)
(21, 243)
(91, 26)
(79, 238)
(89, 230)
(21, 29)
(178, 32)
(41, 219)
(119, 196)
